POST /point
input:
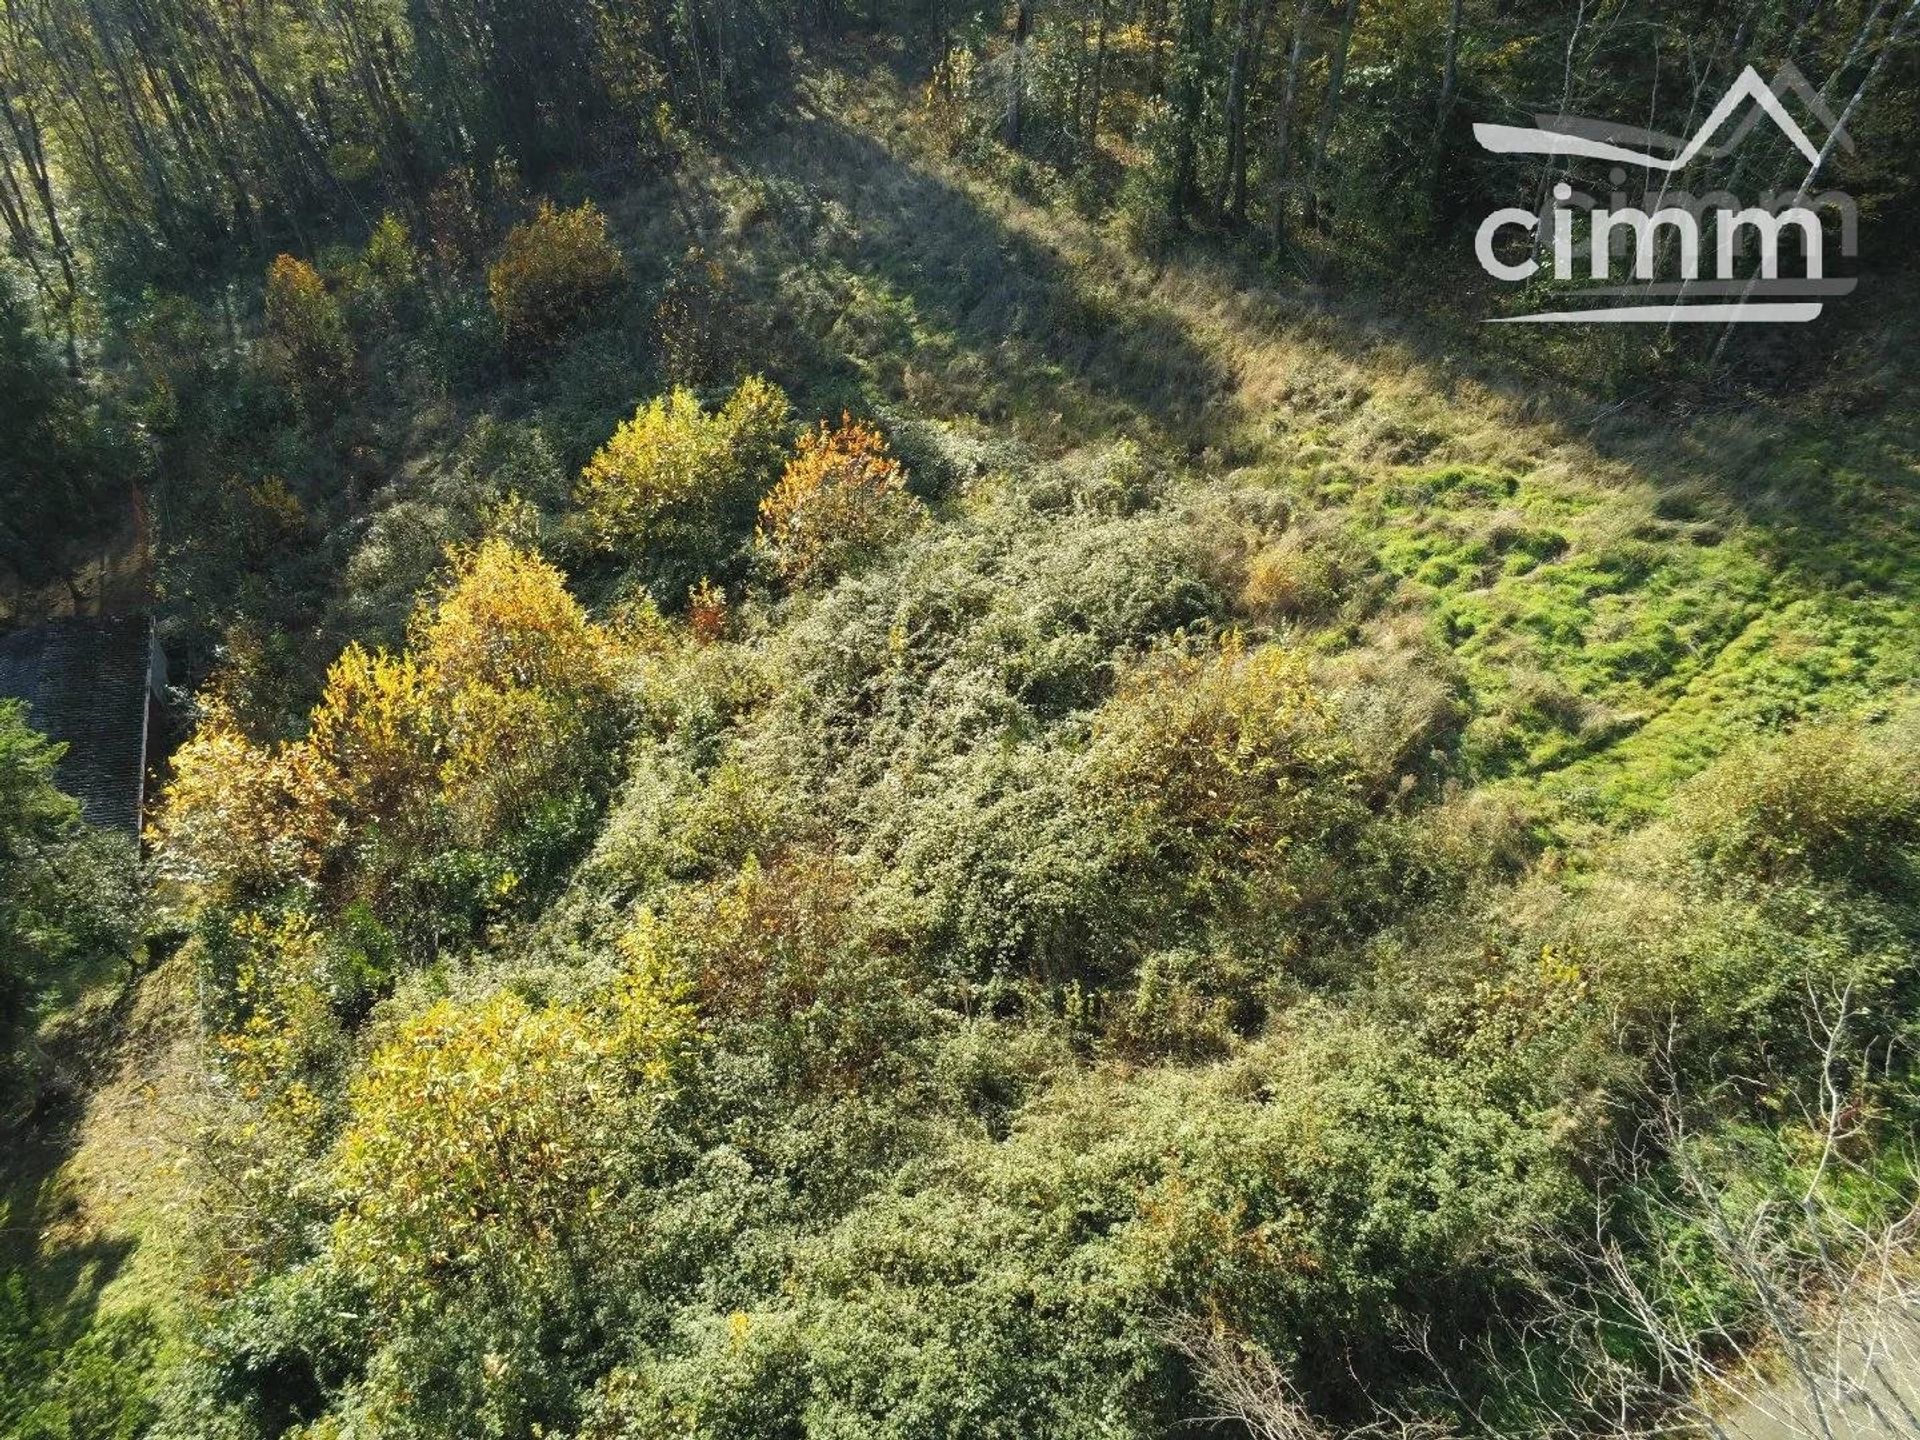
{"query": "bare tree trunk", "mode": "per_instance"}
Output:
(1099, 80)
(1859, 45)
(1449, 82)
(25, 130)
(1017, 73)
(1081, 65)
(1547, 173)
(1157, 57)
(18, 215)
(1893, 38)
(1329, 109)
(942, 46)
(1282, 124)
(1237, 156)
(1236, 103)
(136, 128)
(1196, 33)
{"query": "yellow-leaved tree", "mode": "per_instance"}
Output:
(306, 334)
(500, 706)
(428, 785)
(678, 475)
(374, 736)
(552, 271)
(483, 1139)
(241, 820)
(842, 496)
(520, 685)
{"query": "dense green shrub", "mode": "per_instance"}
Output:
(1011, 617)
(97, 1386)
(1326, 1190)
(67, 898)
(388, 278)
(680, 483)
(1825, 802)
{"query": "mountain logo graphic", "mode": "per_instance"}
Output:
(1597, 140)
(1579, 238)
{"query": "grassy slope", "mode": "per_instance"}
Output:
(1625, 592)
(95, 1203)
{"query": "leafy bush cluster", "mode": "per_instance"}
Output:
(479, 1137)
(68, 903)
(842, 495)
(308, 331)
(430, 782)
(680, 482)
(553, 270)
(98, 1385)
(1008, 967)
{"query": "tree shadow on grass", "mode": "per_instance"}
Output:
(937, 297)
(918, 290)
(46, 1234)
(929, 289)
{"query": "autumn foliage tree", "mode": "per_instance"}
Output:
(677, 478)
(307, 333)
(484, 1136)
(552, 271)
(241, 820)
(841, 496)
(487, 727)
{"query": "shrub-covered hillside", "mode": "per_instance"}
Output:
(829, 794)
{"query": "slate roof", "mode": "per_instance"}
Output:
(86, 682)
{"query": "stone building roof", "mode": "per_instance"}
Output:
(86, 681)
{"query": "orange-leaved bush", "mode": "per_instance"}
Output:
(785, 951)
(842, 496)
(707, 611)
(552, 271)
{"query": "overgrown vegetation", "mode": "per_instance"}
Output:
(851, 775)
(67, 901)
